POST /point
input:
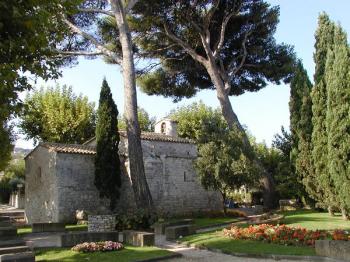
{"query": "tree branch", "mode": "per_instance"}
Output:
(221, 41)
(78, 53)
(93, 40)
(131, 4)
(95, 10)
(185, 46)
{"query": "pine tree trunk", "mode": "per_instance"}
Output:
(143, 196)
(330, 211)
(344, 214)
(232, 121)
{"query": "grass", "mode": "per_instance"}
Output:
(216, 240)
(314, 220)
(129, 253)
(28, 229)
(204, 222)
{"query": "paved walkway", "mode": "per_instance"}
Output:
(194, 254)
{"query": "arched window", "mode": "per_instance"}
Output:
(162, 128)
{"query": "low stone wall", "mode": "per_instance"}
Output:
(48, 227)
(288, 204)
(101, 223)
(333, 248)
(74, 238)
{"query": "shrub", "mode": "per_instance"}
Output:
(98, 246)
(140, 219)
(341, 235)
(280, 234)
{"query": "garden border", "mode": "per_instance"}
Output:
(266, 256)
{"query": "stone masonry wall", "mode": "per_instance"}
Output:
(76, 188)
(101, 223)
(40, 187)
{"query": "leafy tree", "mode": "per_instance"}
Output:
(146, 122)
(223, 165)
(107, 163)
(300, 107)
(338, 124)
(6, 145)
(57, 115)
(13, 175)
(223, 45)
(26, 33)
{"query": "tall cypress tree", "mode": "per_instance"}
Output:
(338, 119)
(324, 43)
(300, 107)
(107, 163)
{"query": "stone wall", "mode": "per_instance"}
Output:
(40, 186)
(75, 184)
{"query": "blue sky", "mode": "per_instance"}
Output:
(263, 112)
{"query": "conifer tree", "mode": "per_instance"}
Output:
(107, 163)
(301, 129)
(324, 43)
(338, 123)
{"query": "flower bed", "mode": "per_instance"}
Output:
(98, 246)
(280, 234)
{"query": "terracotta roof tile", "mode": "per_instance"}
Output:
(70, 148)
(154, 137)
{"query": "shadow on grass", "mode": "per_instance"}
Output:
(127, 254)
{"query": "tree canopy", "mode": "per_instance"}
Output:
(145, 121)
(239, 34)
(57, 115)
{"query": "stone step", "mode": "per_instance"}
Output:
(6, 232)
(18, 257)
(14, 249)
(5, 219)
(12, 242)
(5, 224)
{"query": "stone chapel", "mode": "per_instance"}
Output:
(60, 178)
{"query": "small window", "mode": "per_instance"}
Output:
(162, 128)
(184, 176)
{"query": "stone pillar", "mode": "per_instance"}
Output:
(101, 223)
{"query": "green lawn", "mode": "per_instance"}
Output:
(127, 254)
(204, 222)
(28, 229)
(314, 220)
(218, 241)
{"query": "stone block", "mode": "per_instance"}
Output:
(48, 227)
(159, 227)
(12, 242)
(138, 238)
(101, 223)
(5, 219)
(336, 249)
(174, 232)
(12, 250)
(73, 238)
(19, 257)
(6, 232)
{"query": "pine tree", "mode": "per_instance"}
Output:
(107, 163)
(324, 43)
(338, 119)
(301, 129)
